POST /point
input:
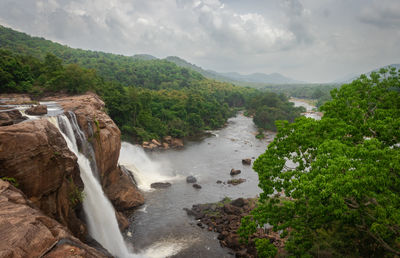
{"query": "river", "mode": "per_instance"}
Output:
(162, 220)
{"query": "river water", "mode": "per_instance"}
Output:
(162, 219)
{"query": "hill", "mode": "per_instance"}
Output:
(148, 98)
(233, 77)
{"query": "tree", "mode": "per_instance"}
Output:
(340, 176)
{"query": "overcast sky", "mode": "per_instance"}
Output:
(309, 40)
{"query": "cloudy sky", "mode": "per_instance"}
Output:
(309, 40)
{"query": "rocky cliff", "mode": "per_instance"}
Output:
(27, 232)
(35, 154)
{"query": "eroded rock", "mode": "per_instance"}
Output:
(27, 232)
(36, 155)
(11, 117)
(37, 110)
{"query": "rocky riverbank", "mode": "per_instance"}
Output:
(224, 218)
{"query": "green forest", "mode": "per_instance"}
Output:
(148, 99)
(332, 186)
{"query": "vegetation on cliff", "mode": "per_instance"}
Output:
(146, 98)
(333, 185)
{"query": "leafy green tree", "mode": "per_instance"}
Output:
(333, 185)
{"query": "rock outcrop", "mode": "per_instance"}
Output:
(224, 218)
(37, 110)
(36, 155)
(27, 232)
(11, 117)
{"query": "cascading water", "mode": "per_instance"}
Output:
(145, 171)
(103, 225)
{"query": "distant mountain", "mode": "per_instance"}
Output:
(144, 57)
(234, 77)
(273, 78)
(350, 78)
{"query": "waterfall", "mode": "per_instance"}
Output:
(103, 225)
(145, 171)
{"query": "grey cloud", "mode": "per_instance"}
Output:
(382, 14)
(298, 38)
(298, 22)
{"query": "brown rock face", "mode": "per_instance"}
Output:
(26, 232)
(11, 117)
(36, 155)
(121, 190)
(37, 110)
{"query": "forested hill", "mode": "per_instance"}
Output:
(147, 98)
(112, 67)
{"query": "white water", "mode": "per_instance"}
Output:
(144, 170)
(103, 225)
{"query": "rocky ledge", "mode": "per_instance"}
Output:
(224, 218)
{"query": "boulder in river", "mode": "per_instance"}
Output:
(154, 141)
(236, 181)
(235, 172)
(197, 186)
(191, 179)
(177, 143)
(160, 185)
(37, 110)
(246, 161)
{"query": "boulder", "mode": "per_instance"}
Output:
(167, 139)
(37, 110)
(27, 232)
(177, 143)
(246, 161)
(191, 179)
(160, 185)
(197, 186)
(165, 145)
(11, 117)
(219, 182)
(122, 191)
(235, 172)
(154, 141)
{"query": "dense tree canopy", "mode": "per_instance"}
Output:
(168, 100)
(333, 185)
